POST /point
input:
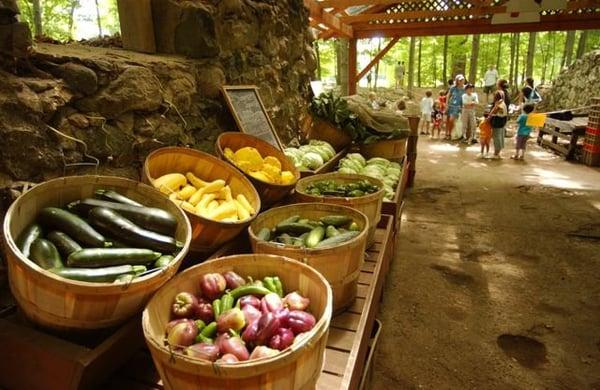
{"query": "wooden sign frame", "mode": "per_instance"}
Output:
(238, 120)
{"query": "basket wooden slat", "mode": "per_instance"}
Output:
(63, 304)
(340, 264)
(370, 204)
(207, 234)
(296, 367)
(393, 150)
(269, 193)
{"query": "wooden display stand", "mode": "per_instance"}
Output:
(571, 131)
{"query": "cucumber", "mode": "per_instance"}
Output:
(27, 237)
(331, 231)
(105, 257)
(264, 234)
(114, 196)
(106, 274)
(125, 278)
(151, 218)
(295, 228)
(74, 226)
(65, 244)
(118, 226)
(293, 218)
(45, 254)
(163, 261)
(314, 237)
(354, 227)
(336, 220)
(285, 239)
(336, 240)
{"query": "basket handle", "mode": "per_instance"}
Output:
(66, 165)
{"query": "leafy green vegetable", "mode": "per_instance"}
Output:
(349, 190)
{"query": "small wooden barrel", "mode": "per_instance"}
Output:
(327, 132)
(270, 193)
(394, 149)
(340, 265)
(369, 205)
(207, 234)
(65, 304)
(297, 367)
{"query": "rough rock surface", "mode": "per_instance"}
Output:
(575, 85)
(124, 104)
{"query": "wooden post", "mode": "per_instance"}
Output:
(352, 65)
(137, 27)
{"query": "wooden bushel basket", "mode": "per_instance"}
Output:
(64, 304)
(207, 234)
(369, 205)
(269, 193)
(394, 149)
(296, 367)
(340, 264)
(327, 132)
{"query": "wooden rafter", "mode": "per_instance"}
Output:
(479, 11)
(377, 58)
(353, 3)
(328, 19)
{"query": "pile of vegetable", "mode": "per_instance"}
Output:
(267, 169)
(233, 320)
(387, 171)
(328, 231)
(334, 109)
(213, 200)
(107, 238)
(345, 190)
(312, 156)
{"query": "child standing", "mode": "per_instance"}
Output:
(523, 132)
(469, 100)
(426, 110)
(436, 117)
(498, 118)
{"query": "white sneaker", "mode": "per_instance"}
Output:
(480, 155)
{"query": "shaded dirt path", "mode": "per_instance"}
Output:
(489, 287)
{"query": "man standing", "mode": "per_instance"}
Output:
(400, 74)
(489, 82)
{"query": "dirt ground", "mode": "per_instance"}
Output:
(494, 284)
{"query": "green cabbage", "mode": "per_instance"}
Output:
(378, 161)
(357, 157)
(312, 160)
(347, 170)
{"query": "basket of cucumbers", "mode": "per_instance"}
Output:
(330, 238)
(87, 252)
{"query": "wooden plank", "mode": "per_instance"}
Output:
(335, 361)
(368, 17)
(352, 66)
(561, 149)
(377, 58)
(357, 307)
(366, 278)
(352, 3)
(346, 320)
(559, 134)
(329, 382)
(340, 339)
(362, 291)
(137, 26)
(368, 266)
(317, 12)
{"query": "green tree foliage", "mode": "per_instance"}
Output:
(548, 55)
(58, 16)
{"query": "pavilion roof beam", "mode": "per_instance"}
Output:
(377, 58)
(317, 12)
(480, 11)
(352, 3)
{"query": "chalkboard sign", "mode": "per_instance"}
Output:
(249, 113)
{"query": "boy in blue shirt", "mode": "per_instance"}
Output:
(523, 132)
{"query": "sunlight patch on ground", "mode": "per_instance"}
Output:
(447, 148)
(596, 204)
(551, 178)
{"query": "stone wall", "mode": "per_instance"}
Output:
(575, 85)
(124, 104)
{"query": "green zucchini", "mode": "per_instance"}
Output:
(336, 220)
(65, 244)
(45, 254)
(331, 231)
(113, 196)
(354, 227)
(163, 261)
(264, 234)
(293, 218)
(106, 274)
(74, 226)
(295, 228)
(314, 237)
(105, 257)
(27, 237)
(116, 225)
(285, 239)
(151, 218)
(336, 240)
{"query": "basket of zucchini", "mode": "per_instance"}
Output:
(330, 238)
(87, 252)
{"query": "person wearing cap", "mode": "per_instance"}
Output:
(455, 102)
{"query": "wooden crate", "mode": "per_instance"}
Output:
(349, 335)
(392, 207)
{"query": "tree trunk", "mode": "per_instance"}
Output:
(419, 62)
(499, 51)
(474, 57)
(582, 43)
(459, 60)
(74, 5)
(318, 58)
(511, 66)
(37, 18)
(343, 57)
(445, 62)
(546, 54)
(434, 64)
(530, 54)
(568, 53)
(377, 65)
(411, 66)
(553, 59)
(98, 19)
(517, 45)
